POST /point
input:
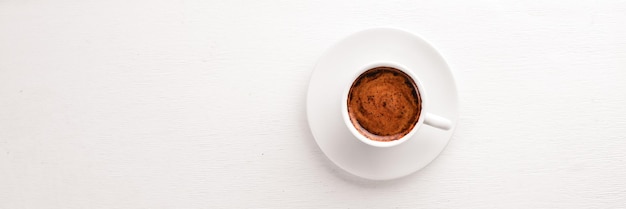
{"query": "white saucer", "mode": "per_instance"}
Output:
(331, 75)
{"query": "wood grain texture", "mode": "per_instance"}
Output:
(200, 104)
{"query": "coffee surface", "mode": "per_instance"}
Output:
(384, 104)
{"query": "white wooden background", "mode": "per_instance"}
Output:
(201, 104)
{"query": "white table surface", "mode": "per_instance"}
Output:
(201, 104)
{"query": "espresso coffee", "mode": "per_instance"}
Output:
(384, 104)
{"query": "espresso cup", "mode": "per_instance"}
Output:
(384, 104)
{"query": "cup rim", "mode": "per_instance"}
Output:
(346, 116)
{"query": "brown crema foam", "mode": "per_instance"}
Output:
(384, 104)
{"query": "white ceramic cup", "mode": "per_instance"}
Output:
(425, 117)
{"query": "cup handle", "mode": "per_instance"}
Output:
(437, 121)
